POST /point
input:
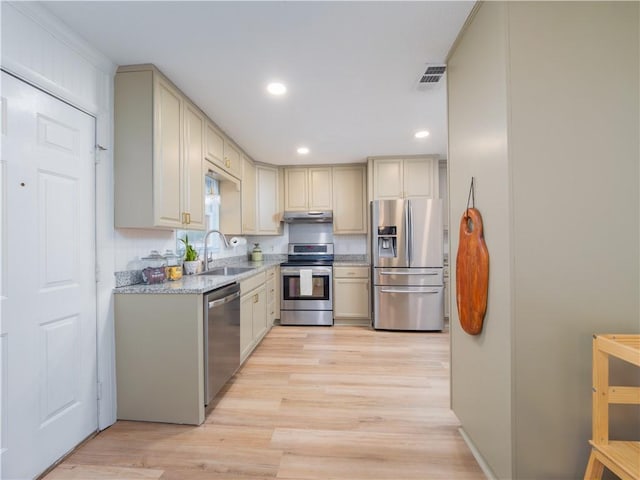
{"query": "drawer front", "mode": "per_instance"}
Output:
(252, 283)
(351, 272)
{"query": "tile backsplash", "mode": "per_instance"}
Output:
(133, 244)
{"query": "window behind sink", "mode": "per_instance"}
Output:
(212, 222)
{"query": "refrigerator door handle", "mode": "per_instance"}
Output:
(409, 273)
(407, 234)
(390, 290)
(410, 232)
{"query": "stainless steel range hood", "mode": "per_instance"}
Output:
(315, 216)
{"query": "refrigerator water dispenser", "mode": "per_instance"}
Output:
(387, 242)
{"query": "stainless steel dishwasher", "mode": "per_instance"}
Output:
(221, 338)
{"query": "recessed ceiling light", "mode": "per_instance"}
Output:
(302, 150)
(421, 134)
(276, 88)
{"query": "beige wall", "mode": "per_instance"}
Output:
(568, 87)
(481, 367)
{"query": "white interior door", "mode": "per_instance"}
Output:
(48, 314)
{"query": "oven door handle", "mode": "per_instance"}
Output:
(315, 271)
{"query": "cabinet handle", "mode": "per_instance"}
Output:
(188, 218)
(255, 298)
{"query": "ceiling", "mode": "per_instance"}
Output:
(351, 68)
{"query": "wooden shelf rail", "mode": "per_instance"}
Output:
(622, 458)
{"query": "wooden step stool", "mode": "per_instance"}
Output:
(622, 458)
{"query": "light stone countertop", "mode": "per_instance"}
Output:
(196, 284)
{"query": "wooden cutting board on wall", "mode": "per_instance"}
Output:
(472, 272)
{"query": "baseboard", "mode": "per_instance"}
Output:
(484, 466)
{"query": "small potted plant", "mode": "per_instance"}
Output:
(191, 261)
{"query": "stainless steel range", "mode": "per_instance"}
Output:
(307, 285)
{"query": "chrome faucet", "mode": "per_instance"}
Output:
(206, 248)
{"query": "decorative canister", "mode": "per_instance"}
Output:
(173, 270)
(153, 270)
(256, 253)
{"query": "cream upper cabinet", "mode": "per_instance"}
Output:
(395, 178)
(320, 187)
(193, 183)
(214, 145)
(387, 179)
(232, 159)
(307, 188)
(248, 196)
(296, 188)
(158, 153)
(268, 204)
(350, 199)
(419, 178)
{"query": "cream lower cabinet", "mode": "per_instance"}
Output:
(350, 199)
(273, 295)
(159, 357)
(159, 153)
(253, 313)
(351, 293)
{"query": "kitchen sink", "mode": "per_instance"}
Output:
(227, 271)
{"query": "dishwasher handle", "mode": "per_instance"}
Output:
(224, 300)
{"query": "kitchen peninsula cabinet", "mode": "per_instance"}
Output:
(350, 199)
(393, 178)
(159, 358)
(159, 153)
(307, 188)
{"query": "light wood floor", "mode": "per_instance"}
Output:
(310, 403)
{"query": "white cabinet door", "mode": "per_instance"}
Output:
(248, 196)
(319, 189)
(351, 298)
(419, 178)
(296, 189)
(167, 164)
(268, 214)
(387, 179)
(232, 159)
(349, 199)
(246, 326)
(259, 313)
(192, 178)
(214, 150)
(48, 373)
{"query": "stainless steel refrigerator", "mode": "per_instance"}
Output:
(407, 264)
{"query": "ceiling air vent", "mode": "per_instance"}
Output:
(432, 74)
